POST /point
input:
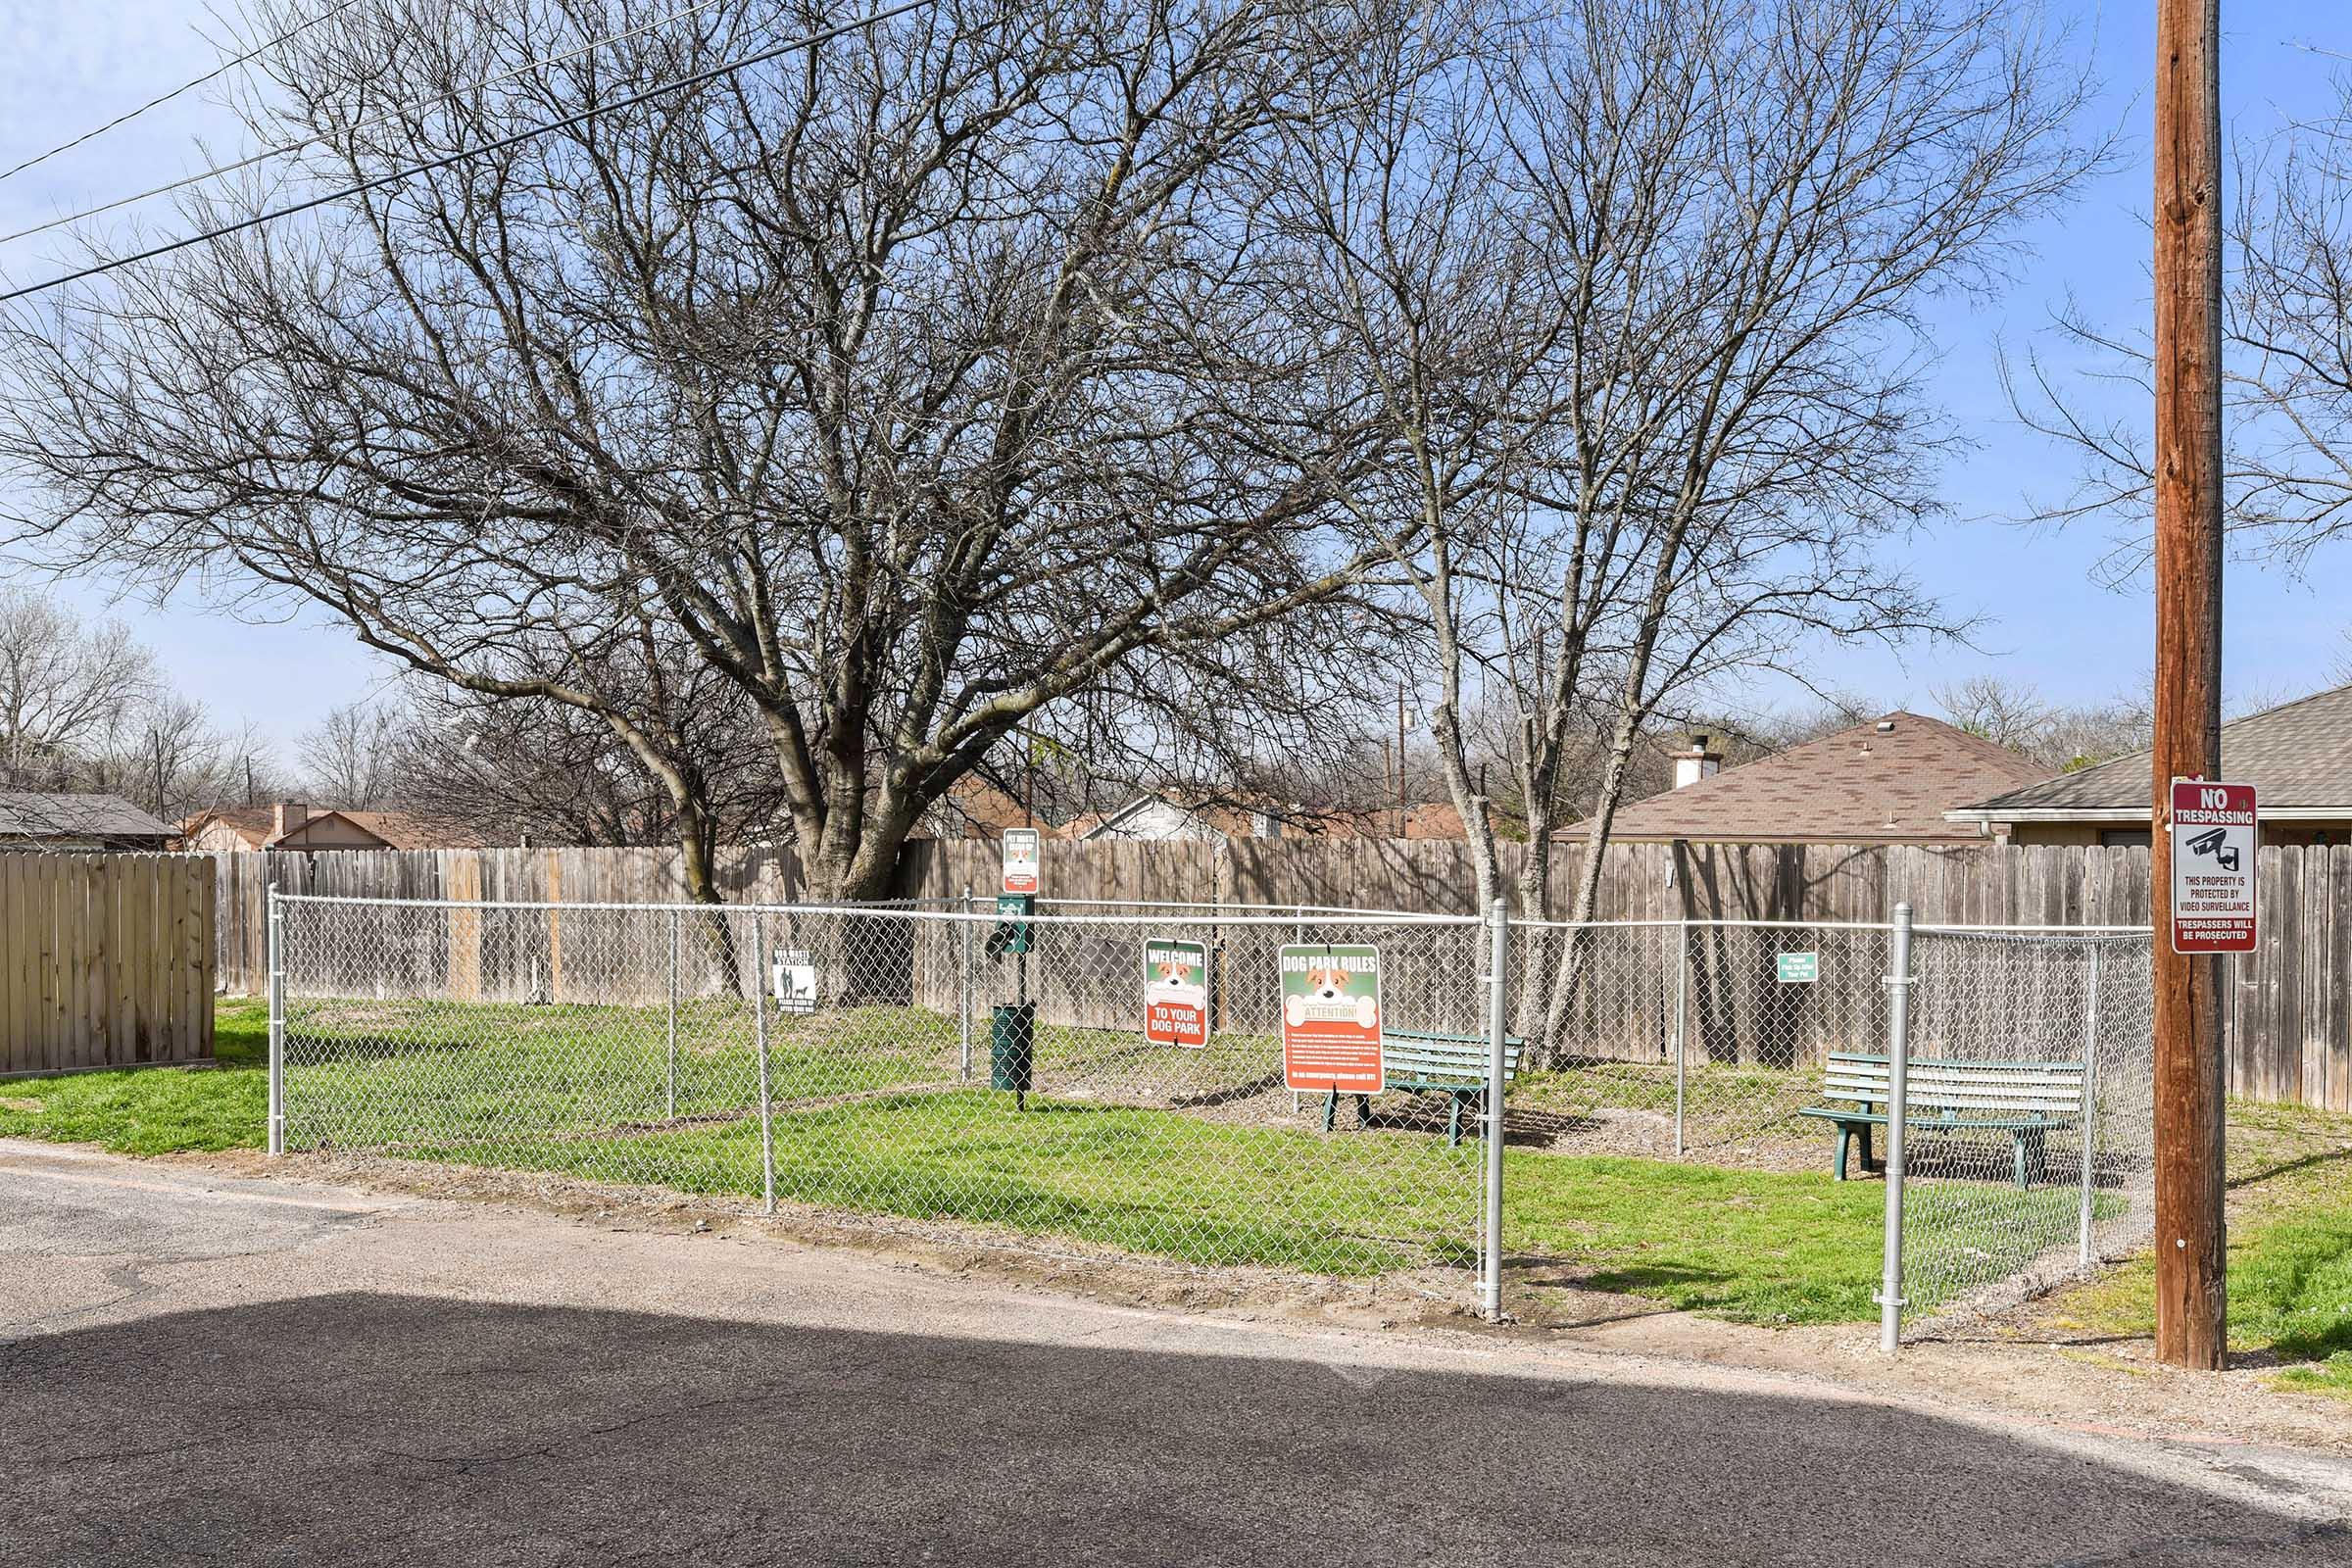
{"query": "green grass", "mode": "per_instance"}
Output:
(875, 1120)
(1755, 1247)
(2290, 1251)
(157, 1111)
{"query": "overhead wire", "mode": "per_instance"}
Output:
(392, 111)
(429, 166)
(161, 99)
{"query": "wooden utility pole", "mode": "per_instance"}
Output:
(2191, 1306)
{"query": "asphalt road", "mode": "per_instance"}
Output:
(195, 1369)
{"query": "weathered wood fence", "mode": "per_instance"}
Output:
(2288, 1008)
(106, 960)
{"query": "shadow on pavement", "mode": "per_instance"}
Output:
(368, 1429)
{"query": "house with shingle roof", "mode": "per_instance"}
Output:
(2299, 757)
(1893, 780)
(79, 822)
(294, 825)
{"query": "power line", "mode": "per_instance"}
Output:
(160, 100)
(389, 112)
(412, 171)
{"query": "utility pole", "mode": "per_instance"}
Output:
(1400, 759)
(2191, 1305)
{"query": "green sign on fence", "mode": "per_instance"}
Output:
(1799, 968)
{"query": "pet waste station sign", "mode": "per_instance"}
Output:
(1175, 993)
(1799, 968)
(1020, 860)
(2212, 839)
(1331, 1020)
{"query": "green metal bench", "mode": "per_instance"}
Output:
(2026, 1100)
(1454, 1065)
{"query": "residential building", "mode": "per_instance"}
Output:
(83, 822)
(1891, 780)
(295, 825)
(2299, 757)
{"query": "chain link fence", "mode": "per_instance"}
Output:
(1667, 1038)
(2030, 1114)
(932, 1061)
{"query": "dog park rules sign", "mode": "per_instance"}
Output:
(1331, 1020)
(1175, 993)
(1021, 860)
(2214, 838)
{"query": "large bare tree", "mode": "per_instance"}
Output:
(916, 381)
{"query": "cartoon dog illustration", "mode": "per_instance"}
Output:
(1327, 993)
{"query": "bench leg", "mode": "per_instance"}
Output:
(1330, 1109)
(1846, 1137)
(2033, 1152)
(1864, 1129)
(1363, 1111)
(1453, 1123)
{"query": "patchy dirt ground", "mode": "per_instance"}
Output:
(2025, 1363)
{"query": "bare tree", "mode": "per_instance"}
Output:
(916, 381)
(2287, 366)
(1634, 290)
(68, 689)
(350, 756)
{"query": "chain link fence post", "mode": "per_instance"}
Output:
(1899, 1052)
(1682, 1024)
(1499, 944)
(672, 1099)
(2091, 1109)
(768, 1118)
(277, 1027)
(964, 985)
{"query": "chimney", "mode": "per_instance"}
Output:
(1701, 760)
(289, 816)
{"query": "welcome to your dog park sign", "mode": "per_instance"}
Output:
(1175, 993)
(1331, 1020)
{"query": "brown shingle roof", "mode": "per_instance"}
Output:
(257, 826)
(2299, 757)
(1866, 784)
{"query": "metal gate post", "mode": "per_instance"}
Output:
(277, 1029)
(1489, 1289)
(767, 1120)
(2091, 1104)
(671, 1102)
(964, 984)
(1898, 1050)
(1682, 1006)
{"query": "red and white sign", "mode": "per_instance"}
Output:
(1175, 993)
(2214, 838)
(1331, 1020)
(1021, 860)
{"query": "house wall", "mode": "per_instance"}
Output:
(1158, 822)
(330, 833)
(217, 838)
(2031, 835)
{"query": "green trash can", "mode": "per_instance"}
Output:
(1012, 1046)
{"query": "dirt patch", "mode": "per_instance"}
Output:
(2022, 1364)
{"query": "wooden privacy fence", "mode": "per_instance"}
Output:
(106, 960)
(2287, 1009)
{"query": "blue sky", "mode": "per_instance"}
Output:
(71, 66)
